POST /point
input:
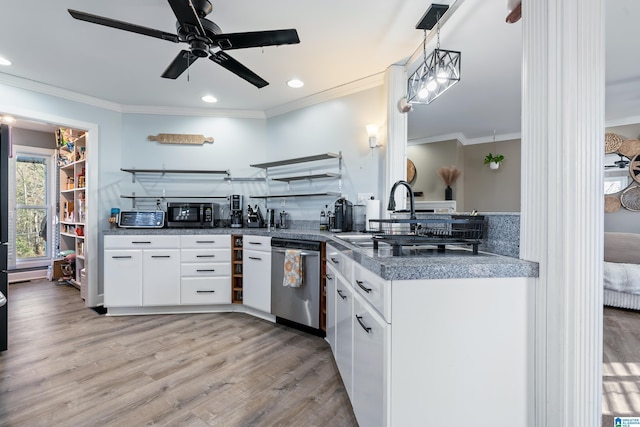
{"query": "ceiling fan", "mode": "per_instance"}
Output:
(204, 37)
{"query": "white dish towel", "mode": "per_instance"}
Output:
(293, 269)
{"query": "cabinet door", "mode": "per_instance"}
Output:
(371, 338)
(332, 277)
(257, 280)
(161, 277)
(122, 278)
(344, 333)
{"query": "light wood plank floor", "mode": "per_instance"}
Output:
(69, 366)
(621, 364)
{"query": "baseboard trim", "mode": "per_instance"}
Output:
(23, 276)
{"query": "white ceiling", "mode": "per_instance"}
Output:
(341, 42)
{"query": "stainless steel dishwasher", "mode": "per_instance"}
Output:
(297, 307)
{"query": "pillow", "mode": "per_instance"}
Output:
(622, 247)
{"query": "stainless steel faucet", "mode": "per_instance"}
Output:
(392, 201)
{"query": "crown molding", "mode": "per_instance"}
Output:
(328, 95)
(34, 86)
(182, 111)
(464, 140)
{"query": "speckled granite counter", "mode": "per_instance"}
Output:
(448, 265)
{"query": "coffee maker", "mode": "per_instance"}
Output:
(343, 216)
(235, 202)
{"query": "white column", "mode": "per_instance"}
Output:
(396, 141)
(562, 203)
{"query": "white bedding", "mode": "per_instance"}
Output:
(622, 277)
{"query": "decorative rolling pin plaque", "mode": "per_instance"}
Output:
(179, 138)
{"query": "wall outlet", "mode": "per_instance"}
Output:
(282, 203)
(363, 197)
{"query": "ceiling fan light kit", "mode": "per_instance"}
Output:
(204, 37)
(440, 70)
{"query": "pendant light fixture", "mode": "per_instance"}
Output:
(439, 70)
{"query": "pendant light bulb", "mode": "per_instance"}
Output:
(442, 76)
(424, 92)
(432, 85)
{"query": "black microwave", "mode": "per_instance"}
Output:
(192, 215)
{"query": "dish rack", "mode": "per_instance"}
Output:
(411, 232)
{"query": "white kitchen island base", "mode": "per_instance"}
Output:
(462, 352)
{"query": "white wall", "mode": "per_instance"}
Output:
(120, 140)
(333, 126)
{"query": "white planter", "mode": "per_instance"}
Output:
(494, 165)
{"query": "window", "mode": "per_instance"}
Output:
(31, 184)
(32, 201)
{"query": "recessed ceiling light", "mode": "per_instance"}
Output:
(4, 61)
(8, 119)
(295, 83)
(209, 98)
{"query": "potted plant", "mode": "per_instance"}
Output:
(493, 161)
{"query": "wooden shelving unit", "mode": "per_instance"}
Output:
(72, 169)
(236, 272)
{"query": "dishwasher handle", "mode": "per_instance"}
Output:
(303, 253)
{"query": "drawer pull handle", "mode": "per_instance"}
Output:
(205, 292)
(339, 291)
(255, 243)
(335, 260)
(121, 257)
(205, 256)
(256, 258)
(329, 277)
(203, 271)
(205, 241)
(145, 243)
(359, 319)
(363, 287)
(160, 256)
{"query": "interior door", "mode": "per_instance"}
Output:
(4, 230)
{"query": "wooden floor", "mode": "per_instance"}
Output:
(69, 366)
(621, 364)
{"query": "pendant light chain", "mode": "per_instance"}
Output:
(438, 31)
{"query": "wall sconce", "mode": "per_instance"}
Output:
(372, 131)
(438, 71)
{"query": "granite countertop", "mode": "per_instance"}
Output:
(449, 265)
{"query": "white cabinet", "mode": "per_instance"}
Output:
(344, 333)
(122, 277)
(141, 270)
(160, 276)
(371, 344)
(256, 261)
(205, 270)
(374, 289)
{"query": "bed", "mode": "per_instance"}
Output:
(622, 270)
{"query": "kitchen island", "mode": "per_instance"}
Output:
(429, 338)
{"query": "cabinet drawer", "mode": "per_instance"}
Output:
(341, 262)
(374, 289)
(207, 269)
(141, 242)
(257, 243)
(205, 241)
(206, 255)
(205, 290)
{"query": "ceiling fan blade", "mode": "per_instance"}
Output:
(237, 68)
(179, 64)
(121, 25)
(256, 39)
